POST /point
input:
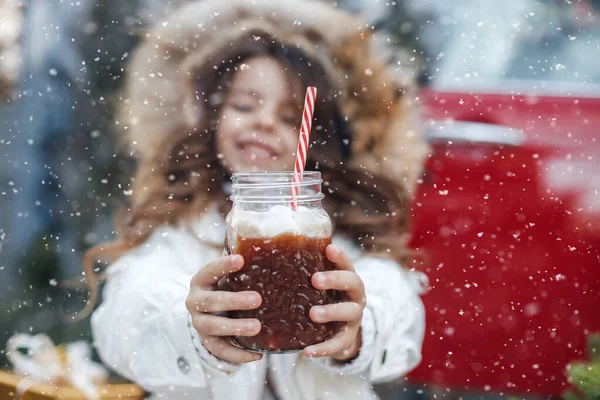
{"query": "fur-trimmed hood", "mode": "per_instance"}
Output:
(375, 89)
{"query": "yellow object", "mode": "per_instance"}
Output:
(62, 354)
(115, 391)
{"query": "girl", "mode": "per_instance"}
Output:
(218, 88)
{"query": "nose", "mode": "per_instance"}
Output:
(265, 119)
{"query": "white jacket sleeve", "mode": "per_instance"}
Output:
(393, 297)
(142, 330)
(393, 322)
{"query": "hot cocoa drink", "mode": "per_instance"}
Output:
(282, 238)
(280, 269)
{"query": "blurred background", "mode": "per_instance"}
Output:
(508, 209)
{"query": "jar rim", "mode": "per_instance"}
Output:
(279, 185)
(284, 175)
(275, 178)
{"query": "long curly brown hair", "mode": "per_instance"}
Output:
(183, 180)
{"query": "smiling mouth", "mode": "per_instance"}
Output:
(257, 151)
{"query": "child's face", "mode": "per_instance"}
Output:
(258, 123)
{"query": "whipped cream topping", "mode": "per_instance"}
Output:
(277, 220)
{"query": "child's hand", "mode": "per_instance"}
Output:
(346, 343)
(204, 302)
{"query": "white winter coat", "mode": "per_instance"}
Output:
(143, 331)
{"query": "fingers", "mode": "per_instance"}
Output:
(339, 258)
(344, 312)
(213, 325)
(339, 280)
(205, 301)
(216, 269)
(347, 281)
(224, 350)
(343, 340)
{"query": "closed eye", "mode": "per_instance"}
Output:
(289, 119)
(242, 107)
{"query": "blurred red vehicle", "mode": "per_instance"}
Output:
(508, 214)
(513, 245)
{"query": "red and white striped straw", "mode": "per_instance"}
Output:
(302, 150)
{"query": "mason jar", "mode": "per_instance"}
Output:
(282, 239)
